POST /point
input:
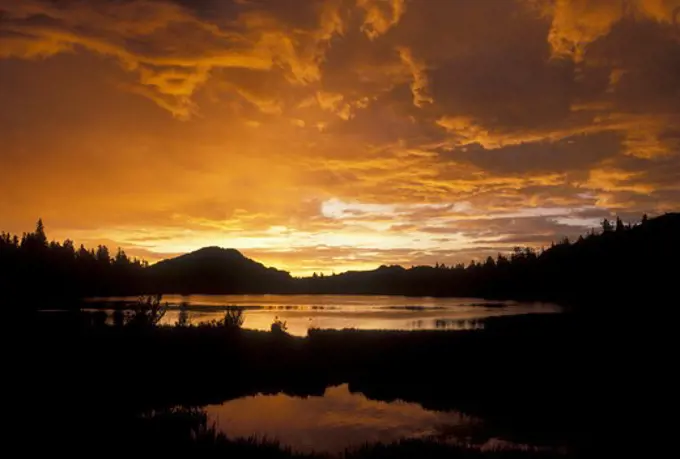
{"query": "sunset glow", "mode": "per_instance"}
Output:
(327, 135)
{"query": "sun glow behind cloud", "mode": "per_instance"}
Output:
(328, 135)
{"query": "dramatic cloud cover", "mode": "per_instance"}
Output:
(321, 135)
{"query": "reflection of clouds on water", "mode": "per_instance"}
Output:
(303, 312)
(333, 422)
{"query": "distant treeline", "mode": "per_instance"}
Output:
(619, 263)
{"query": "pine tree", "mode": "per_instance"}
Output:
(619, 225)
(40, 235)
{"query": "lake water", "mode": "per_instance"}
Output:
(337, 420)
(367, 312)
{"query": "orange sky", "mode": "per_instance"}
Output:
(321, 135)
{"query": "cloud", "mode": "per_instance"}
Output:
(170, 48)
(419, 84)
(333, 102)
(616, 180)
(381, 15)
(371, 131)
(575, 24)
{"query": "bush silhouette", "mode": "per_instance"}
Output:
(233, 318)
(148, 312)
(183, 319)
(279, 327)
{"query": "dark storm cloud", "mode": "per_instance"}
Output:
(577, 153)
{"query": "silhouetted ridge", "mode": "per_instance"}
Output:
(622, 263)
(209, 255)
(216, 270)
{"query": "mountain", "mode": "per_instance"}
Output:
(216, 270)
(632, 264)
(622, 264)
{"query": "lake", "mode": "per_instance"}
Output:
(334, 421)
(366, 312)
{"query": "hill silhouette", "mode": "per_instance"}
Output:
(216, 270)
(620, 263)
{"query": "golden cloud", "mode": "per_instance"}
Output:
(381, 15)
(577, 23)
(166, 63)
(364, 129)
(419, 84)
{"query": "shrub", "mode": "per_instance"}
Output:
(183, 319)
(233, 318)
(148, 311)
(279, 327)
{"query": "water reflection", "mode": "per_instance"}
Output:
(302, 312)
(335, 421)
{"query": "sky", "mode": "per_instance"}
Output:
(328, 135)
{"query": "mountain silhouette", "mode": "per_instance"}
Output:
(621, 263)
(216, 270)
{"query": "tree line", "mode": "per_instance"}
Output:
(620, 262)
(33, 268)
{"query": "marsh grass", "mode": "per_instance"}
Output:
(189, 430)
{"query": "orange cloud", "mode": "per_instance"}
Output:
(166, 62)
(419, 84)
(341, 133)
(381, 15)
(616, 180)
(578, 23)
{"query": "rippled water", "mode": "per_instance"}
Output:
(337, 420)
(302, 312)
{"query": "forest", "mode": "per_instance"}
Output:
(596, 268)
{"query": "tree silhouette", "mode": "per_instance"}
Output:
(620, 227)
(39, 234)
(103, 256)
(34, 270)
(598, 266)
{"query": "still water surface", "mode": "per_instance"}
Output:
(337, 420)
(366, 312)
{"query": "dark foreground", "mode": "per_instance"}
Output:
(185, 432)
(551, 381)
